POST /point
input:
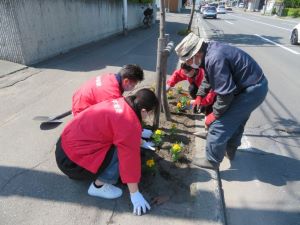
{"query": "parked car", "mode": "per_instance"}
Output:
(221, 9)
(210, 11)
(202, 9)
(241, 5)
(295, 37)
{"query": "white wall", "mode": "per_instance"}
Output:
(34, 30)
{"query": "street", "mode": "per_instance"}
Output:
(261, 186)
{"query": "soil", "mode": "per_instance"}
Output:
(167, 178)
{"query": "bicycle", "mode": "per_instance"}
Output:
(148, 17)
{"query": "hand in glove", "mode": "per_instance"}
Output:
(167, 88)
(197, 101)
(147, 133)
(209, 119)
(139, 203)
(148, 145)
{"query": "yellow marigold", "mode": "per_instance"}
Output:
(176, 147)
(188, 103)
(150, 163)
(158, 132)
(178, 105)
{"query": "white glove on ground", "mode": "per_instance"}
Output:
(139, 203)
(148, 145)
(147, 133)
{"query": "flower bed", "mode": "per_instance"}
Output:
(168, 165)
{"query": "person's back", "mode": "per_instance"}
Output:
(148, 12)
(88, 137)
(95, 90)
(243, 68)
(105, 87)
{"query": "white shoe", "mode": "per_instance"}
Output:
(108, 191)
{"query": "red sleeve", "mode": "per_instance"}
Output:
(209, 98)
(177, 76)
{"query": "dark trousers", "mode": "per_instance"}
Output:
(227, 131)
(193, 89)
(74, 171)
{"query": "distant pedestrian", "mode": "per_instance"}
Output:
(105, 87)
(240, 85)
(103, 141)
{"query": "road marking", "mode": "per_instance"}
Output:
(264, 23)
(202, 27)
(228, 22)
(279, 45)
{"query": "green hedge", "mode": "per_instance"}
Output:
(293, 12)
(292, 3)
(141, 1)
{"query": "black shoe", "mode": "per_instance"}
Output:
(204, 163)
(230, 153)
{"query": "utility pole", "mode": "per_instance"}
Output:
(125, 17)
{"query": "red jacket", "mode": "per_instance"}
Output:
(95, 90)
(87, 138)
(179, 75)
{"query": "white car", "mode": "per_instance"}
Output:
(295, 37)
(241, 5)
(221, 9)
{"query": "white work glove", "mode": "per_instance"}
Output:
(148, 145)
(147, 133)
(167, 88)
(139, 203)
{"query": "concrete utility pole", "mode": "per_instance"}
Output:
(125, 17)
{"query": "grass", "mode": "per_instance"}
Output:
(183, 32)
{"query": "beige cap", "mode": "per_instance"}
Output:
(188, 47)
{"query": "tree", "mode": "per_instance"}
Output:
(192, 16)
(161, 43)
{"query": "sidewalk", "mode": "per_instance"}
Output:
(33, 190)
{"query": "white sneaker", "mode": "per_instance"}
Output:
(108, 191)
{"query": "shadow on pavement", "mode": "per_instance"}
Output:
(269, 168)
(247, 216)
(243, 39)
(49, 186)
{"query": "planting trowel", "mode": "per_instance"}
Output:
(53, 119)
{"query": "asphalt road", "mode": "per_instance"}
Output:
(262, 185)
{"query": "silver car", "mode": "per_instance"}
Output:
(221, 9)
(210, 11)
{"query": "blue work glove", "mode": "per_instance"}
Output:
(139, 203)
(147, 133)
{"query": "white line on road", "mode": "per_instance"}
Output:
(228, 22)
(263, 23)
(279, 45)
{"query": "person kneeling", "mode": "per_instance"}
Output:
(103, 141)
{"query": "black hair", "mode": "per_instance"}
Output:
(142, 99)
(132, 72)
